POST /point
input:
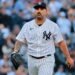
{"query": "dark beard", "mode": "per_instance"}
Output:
(39, 18)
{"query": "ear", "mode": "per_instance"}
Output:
(47, 11)
(33, 13)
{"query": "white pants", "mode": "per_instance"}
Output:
(44, 66)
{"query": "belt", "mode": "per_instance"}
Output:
(41, 56)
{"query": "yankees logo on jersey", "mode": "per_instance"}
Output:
(46, 35)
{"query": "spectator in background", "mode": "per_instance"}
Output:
(54, 6)
(64, 24)
(60, 70)
(18, 18)
(9, 42)
(1, 40)
(71, 2)
(4, 33)
(21, 71)
(71, 17)
(5, 18)
(7, 47)
(19, 5)
(14, 32)
(65, 6)
(5, 64)
(6, 69)
(28, 11)
(21, 18)
(5, 59)
(7, 5)
(16, 29)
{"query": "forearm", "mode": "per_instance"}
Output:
(17, 46)
(64, 49)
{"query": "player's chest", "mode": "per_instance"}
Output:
(39, 33)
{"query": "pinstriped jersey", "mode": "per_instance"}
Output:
(40, 39)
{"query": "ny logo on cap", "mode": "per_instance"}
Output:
(39, 3)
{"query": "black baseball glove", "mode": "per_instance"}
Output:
(16, 60)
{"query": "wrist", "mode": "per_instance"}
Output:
(68, 57)
(15, 51)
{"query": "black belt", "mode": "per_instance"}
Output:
(41, 56)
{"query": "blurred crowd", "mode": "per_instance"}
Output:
(14, 13)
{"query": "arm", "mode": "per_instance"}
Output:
(17, 46)
(20, 39)
(62, 45)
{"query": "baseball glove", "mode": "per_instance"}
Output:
(16, 60)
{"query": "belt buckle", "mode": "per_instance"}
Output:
(46, 56)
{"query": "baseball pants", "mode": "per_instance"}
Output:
(44, 66)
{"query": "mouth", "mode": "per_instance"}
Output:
(39, 15)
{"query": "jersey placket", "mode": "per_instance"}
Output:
(38, 40)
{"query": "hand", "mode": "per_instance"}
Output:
(15, 51)
(70, 62)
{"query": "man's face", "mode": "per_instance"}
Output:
(71, 13)
(40, 13)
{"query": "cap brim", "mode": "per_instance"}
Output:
(35, 7)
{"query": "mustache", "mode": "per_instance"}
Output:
(38, 13)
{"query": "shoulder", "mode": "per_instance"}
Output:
(28, 24)
(52, 24)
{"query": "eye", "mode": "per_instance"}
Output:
(37, 8)
(42, 8)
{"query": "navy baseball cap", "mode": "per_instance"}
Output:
(40, 5)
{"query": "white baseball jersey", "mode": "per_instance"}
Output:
(40, 39)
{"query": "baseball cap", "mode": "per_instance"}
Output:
(40, 5)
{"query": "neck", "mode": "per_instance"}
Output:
(40, 21)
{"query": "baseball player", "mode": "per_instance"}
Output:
(41, 34)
